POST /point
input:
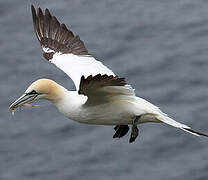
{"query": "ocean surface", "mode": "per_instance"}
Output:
(161, 47)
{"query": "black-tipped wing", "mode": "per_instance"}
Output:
(55, 36)
(100, 87)
(64, 49)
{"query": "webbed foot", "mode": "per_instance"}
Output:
(134, 130)
(134, 133)
(121, 130)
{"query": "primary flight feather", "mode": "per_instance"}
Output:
(101, 97)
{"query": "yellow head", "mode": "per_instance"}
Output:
(40, 89)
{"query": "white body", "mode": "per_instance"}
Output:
(121, 109)
(122, 106)
(106, 99)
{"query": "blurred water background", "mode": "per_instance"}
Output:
(161, 47)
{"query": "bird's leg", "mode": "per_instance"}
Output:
(121, 130)
(134, 130)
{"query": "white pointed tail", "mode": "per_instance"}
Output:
(174, 123)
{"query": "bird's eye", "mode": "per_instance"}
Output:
(32, 92)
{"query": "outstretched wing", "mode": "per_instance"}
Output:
(101, 88)
(64, 49)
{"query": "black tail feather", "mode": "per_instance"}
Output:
(195, 132)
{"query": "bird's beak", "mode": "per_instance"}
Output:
(24, 100)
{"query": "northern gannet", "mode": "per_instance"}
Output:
(101, 97)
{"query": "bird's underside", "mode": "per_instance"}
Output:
(93, 81)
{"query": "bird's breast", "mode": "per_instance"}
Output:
(104, 114)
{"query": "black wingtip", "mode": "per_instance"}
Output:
(195, 132)
(32, 6)
(47, 12)
(55, 36)
(33, 11)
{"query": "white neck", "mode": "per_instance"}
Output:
(70, 104)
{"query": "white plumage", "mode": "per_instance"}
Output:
(76, 66)
(101, 97)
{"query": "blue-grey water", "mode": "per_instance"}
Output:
(161, 47)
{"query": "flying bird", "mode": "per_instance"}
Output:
(101, 97)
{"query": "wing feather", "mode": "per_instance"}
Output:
(101, 88)
(77, 66)
(64, 49)
(55, 36)
(93, 83)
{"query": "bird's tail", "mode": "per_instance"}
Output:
(174, 123)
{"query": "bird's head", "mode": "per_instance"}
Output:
(40, 89)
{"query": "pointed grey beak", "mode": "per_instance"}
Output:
(24, 99)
